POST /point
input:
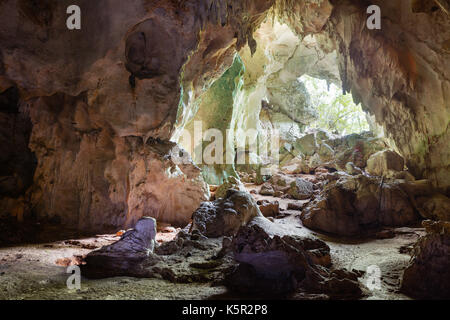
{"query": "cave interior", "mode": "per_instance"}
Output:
(214, 149)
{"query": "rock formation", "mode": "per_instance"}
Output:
(353, 205)
(224, 216)
(427, 275)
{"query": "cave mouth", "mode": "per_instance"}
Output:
(253, 119)
(336, 112)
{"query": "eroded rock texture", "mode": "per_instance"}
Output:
(427, 275)
(125, 256)
(274, 262)
(354, 205)
(102, 100)
(225, 216)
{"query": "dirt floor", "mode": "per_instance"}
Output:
(38, 271)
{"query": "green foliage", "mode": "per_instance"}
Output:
(336, 112)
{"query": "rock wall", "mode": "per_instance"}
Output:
(102, 99)
(400, 74)
(103, 102)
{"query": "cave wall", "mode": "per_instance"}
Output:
(96, 105)
(401, 75)
(102, 103)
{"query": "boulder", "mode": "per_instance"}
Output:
(271, 260)
(353, 205)
(325, 152)
(306, 145)
(385, 163)
(301, 189)
(269, 208)
(230, 183)
(124, 256)
(224, 216)
(274, 262)
(266, 190)
(428, 273)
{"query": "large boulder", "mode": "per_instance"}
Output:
(272, 262)
(428, 273)
(301, 189)
(354, 205)
(385, 163)
(224, 216)
(125, 255)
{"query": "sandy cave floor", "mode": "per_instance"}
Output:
(38, 271)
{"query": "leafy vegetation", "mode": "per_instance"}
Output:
(337, 112)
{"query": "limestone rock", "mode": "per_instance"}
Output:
(269, 208)
(353, 205)
(125, 256)
(325, 152)
(274, 262)
(350, 168)
(428, 273)
(224, 216)
(301, 189)
(266, 190)
(306, 145)
(230, 183)
(384, 163)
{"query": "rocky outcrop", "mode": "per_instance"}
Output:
(402, 65)
(124, 257)
(301, 189)
(428, 273)
(354, 205)
(273, 262)
(224, 216)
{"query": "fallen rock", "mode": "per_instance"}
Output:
(267, 190)
(230, 183)
(428, 273)
(325, 152)
(125, 256)
(295, 206)
(224, 216)
(385, 163)
(306, 145)
(350, 168)
(273, 262)
(301, 189)
(269, 208)
(354, 205)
